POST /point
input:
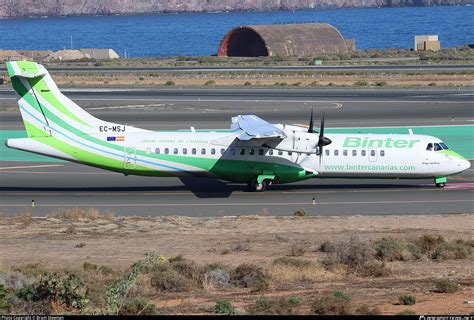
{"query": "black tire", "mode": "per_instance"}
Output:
(259, 187)
(440, 185)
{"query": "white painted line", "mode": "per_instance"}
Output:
(37, 166)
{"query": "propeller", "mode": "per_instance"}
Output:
(310, 128)
(322, 141)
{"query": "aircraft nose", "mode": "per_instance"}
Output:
(466, 165)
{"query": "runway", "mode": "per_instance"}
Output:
(180, 108)
(53, 186)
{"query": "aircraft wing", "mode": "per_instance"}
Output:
(253, 127)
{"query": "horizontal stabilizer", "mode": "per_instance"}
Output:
(26, 69)
(253, 127)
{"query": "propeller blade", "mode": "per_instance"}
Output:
(311, 126)
(321, 132)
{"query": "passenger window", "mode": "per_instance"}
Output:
(429, 147)
(280, 153)
(290, 153)
(185, 151)
(194, 151)
(167, 150)
(260, 152)
(203, 151)
(175, 151)
(354, 153)
(242, 152)
(270, 152)
(363, 153)
(382, 153)
(157, 150)
(372, 153)
(327, 152)
(344, 152)
(251, 152)
(445, 147)
(232, 151)
(336, 152)
(213, 151)
(222, 151)
(437, 147)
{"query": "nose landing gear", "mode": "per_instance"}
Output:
(440, 182)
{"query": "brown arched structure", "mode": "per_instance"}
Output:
(283, 40)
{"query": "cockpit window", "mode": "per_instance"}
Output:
(437, 147)
(445, 147)
(429, 147)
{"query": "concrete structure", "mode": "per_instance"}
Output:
(284, 40)
(424, 43)
(100, 54)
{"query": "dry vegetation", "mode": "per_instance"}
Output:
(92, 262)
(314, 78)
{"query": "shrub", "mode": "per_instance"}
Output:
(293, 262)
(452, 250)
(381, 83)
(210, 83)
(169, 280)
(364, 310)
(330, 305)
(300, 213)
(67, 289)
(297, 250)
(432, 84)
(138, 306)
(3, 298)
(170, 83)
(218, 277)
(375, 269)
(327, 247)
(342, 295)
(250, 276)
(224, 306)
(406, 313)
(446, 286)
(429, 243)
(354, 253)
(280, 306)
(407, 300)
(247, 83)
(141, 78)
(361, 83)
(15, 280)
(390, 249)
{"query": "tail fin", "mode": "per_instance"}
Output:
(43, 107)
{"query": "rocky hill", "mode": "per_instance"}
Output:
(36, 8)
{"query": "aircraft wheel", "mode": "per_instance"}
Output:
(259, 187)
(440, 185)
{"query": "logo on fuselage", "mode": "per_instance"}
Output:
(355, 142)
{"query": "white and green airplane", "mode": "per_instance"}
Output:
(254, 151)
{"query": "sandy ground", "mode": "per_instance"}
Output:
(118, 242)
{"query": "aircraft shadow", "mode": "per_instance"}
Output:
(210, 188)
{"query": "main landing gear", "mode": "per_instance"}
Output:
(261, 183)
(440, 182)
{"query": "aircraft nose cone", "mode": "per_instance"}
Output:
(466, 165)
